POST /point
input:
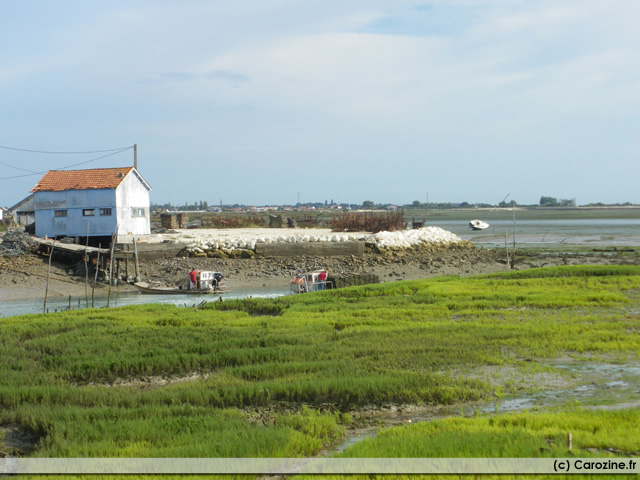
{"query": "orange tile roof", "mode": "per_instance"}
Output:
(97, 178)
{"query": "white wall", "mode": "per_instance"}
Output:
(75, 224)
(132, 193)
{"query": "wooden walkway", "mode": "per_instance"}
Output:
(70, 247)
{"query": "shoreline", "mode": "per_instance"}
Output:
(391, 256)
(27, 277)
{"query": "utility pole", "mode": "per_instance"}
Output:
(135, 156)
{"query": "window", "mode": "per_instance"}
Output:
(137, 212)
(105, 212)
(60, 213)
(88, 212)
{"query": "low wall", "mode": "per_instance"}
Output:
(154, 251)
(321, 249)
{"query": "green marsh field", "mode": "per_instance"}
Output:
(290, 377)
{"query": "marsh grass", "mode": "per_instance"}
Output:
(348, 348)
(521, 435)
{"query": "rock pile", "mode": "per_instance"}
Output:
(410, 238)
(16, 242)
(241, 247)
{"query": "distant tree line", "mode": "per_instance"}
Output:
(554, 202)
(545, 201)
(201, 205)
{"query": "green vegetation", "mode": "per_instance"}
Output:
(521, 435)
(233, 379)
(554, 202)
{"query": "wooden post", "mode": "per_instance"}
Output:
(569, 441)
(113, 245)
(135, 253)
(506, 248)
(86, 272)
(95, 280)
(46, 289)
(513, 254)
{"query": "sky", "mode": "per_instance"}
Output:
(263, 102)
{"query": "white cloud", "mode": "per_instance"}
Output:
(459, 79)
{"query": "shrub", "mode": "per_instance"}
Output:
(368, 222)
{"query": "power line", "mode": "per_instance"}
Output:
(65, 153)
(95, 159)
(17, 168)
(22, 176)
(68, 166)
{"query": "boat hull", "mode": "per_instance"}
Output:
(478, 225)
(144, 287)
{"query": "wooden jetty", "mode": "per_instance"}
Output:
(45, 245)
(125, 256)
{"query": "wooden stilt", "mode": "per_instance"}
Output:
(95, 280)
(46, 289)
(113, 245)
(135, 253)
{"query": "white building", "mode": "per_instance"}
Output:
(92, 203)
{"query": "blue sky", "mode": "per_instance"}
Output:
(253, 101)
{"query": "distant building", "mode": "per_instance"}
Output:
(24, 212)
(92, 203)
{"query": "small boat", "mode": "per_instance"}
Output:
(210, 283)
(310, 282)
(478, 225)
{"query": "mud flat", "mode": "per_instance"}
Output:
(597, 386)
(403, 257)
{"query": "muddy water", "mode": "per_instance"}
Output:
(594, 232)
(22, 307)
(590, 385)
(602, 385)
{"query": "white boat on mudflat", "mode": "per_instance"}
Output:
(478, 225)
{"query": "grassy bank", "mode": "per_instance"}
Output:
(159, 380)
(521, 435)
